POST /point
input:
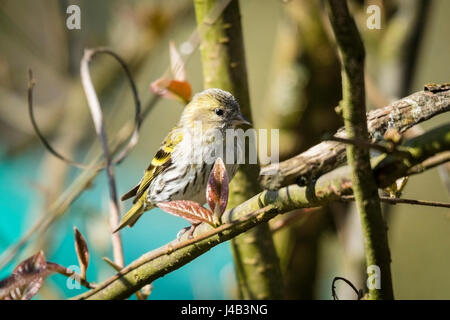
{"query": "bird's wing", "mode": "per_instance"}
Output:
(161, 161)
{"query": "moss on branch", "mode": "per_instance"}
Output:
(353, 106)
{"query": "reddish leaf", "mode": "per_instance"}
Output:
(82, 251)
(26, 279)
(217, 189)
(181, 89)
(189, 210)
(177, 87)
(32, 288)
(172, 89)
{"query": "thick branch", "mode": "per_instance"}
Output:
(330, 187)
(353, 105)
(224, 66)
(328, 155)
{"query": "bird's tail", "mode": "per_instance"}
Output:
(135, 212)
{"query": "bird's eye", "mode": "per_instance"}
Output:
(218, 111)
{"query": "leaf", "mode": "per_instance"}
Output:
(82, 251)
(26, 279)
(172, 89)
(217, 190)
(177, 87)
(177, 65)
(189, 210)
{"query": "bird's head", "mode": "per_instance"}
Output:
(215, 108)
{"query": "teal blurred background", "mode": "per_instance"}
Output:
(33, 34)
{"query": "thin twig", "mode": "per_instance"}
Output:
(137, 118)
(388, 147)
(406, 201)
(70, 274)
(31, 84)
(97, 117)
(359, 292)
(432, 162)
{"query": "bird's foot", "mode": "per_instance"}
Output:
(190, 234)
(181, 232)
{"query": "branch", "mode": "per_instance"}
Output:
(97, 117)
(405, 201)
(329, 187)
(328, 155)
(224, 66)
(353, 105)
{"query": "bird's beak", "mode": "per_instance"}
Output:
(241, 120)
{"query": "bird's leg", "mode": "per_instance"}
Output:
(182, 231)
(192, 229)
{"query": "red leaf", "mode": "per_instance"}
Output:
(34, 263)
(82, 251)
(182, 89)
(172, 89)
(26, 279)
(177, 87)
(189, 210)
(217, 189)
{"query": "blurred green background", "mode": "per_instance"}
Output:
(279, 36)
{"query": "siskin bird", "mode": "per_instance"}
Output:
(181, 167)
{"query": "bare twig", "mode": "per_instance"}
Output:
(387, 146)
(97, 117)
(54, 267)
(359, 292)
(432, 162)
(31, 84)
(137, 119)
(405, 201)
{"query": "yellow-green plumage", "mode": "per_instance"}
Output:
(170, 176)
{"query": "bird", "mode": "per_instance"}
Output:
(181, 166)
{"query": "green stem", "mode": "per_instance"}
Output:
(223, 60)
(354, 112)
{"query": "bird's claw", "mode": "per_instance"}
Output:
(190, 234)
(181, 232)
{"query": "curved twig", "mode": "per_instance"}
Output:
(359, 292)
(97, 117)
(41, 137)
(137, 118)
